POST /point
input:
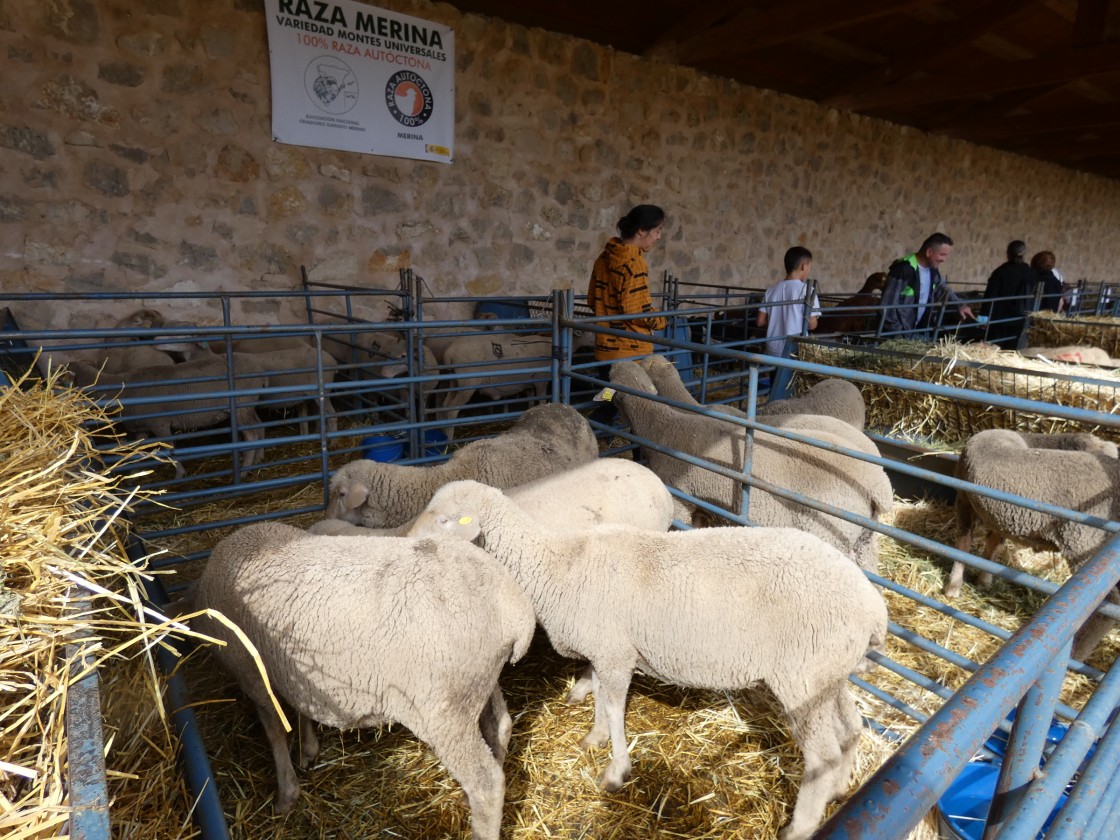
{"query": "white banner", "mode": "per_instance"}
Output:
(354, 77)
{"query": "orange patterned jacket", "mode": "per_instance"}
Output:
(620, 286)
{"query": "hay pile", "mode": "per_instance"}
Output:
(61, 541)
(1049, 329)
(902, 413)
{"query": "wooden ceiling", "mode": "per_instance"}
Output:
(1036, 77)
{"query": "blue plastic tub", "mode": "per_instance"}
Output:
(383, 448)
(997, 743)
(435, 442)
(962, 811)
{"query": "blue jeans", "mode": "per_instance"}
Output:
(782, 377)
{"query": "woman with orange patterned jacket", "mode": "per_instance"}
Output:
(620, 284)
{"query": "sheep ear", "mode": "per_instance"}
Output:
(354, 496)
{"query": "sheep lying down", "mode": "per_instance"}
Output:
(356, 631)
(606, 491)
(546, 439)
(717, 608)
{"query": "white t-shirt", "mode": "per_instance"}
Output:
(923, 292)
(784, 305)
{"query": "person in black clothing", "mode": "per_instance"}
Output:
(1043, 264)
(1015, 280)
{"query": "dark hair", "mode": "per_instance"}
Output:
(1043, 261)
(1016, 250)
(642, 217)
(935, 240)
(795, 256)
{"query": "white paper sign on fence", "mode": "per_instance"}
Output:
(354, 77)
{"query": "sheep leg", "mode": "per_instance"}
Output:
(613, 688)
(329, 415)
(964, 515)
(581, 688)
(308, 742)
(304, 428)
(453, 402)
(813, 726)
(287, 786)
(1086, 639)
(467, 757)
(600, 732)
(247, 419)
(848, 726)
(496, 724)
(991, 545)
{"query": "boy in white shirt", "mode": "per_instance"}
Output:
(782, 314)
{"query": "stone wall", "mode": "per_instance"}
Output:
(136, 154)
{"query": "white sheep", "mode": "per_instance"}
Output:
(546, 439)
(1075, 471)
(830, 397)
(605, 491)
(182, 409)
(855, 486)
(481, 362)
(717, 608)
(292, 364)
(1082, 354)
(356, 632)
(121, 355)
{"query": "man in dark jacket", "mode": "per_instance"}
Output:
(1016, 281)
(914, 287)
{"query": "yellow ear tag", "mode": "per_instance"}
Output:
(604, 395)
(465, 520)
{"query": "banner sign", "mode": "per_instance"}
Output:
(354, 77)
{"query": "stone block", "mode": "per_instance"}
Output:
(237, 164)
(75, 21)
(377, 199)
(105, 178)
(74, 98)
(130, 153)
(146, 43)
(198, 257)
(28, 140)
(123, 73)
(285, 202)
(141, 264)
(218, 122)
(184, 79)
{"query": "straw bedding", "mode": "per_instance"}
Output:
(706, 765)
(1049, 329)
(903, 413)
(59, 541)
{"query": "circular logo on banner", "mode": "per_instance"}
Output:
(408, 98)
(331, 84)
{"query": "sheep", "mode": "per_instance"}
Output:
(860, 308)
(481, 363)
(719, 608)
(294, 367)
(1076, 354)
(856, 486)
(357, 632)
(605, 491)
(177, 385)
(546, 439)
(1076, 471)
(120, 355)
(830, 397)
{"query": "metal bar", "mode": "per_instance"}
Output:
(1087, 794)
(1028, 738)
(85, 746)
(207, 811)
(896, 797)
(1043, 793)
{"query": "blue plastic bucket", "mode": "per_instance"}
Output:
(962, 811)
(383, 448)
(435, 442)
(997, 742)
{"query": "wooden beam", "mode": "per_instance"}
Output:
(1000, 105)
(938, 45)
(698, 19)
(749, 32)
(1091, 22)
(994, 128)
(1070, 149)
(1056, 67)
